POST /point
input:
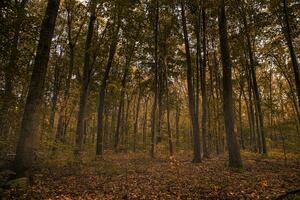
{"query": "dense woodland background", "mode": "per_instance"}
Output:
(203, 81)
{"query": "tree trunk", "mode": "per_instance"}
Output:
(30, 122)
(154, 106)
(233, 147)
(177, 117)
(168, 108)
(289, 40)
(203, 86)
(252, 69)
(87, 72)
(145, 122)
(112, 51)
(135, 126)
(191, 95)
(121, 105)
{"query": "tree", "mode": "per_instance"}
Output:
(111, 55)
(87, 73)
(191, 95)
(30, 122)
(235, 160)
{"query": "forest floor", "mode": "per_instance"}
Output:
(136, 176)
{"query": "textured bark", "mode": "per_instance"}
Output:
(191, 95)
(232, 145)
(87, 73)
(30, 122)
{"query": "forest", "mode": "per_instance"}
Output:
(149, 99)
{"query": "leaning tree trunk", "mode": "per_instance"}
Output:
(191, 96)
(233, 147)
(30, 122)
(289, 40)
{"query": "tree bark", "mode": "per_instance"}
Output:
(232, 145)
(30, 122)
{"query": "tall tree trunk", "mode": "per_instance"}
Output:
(233, 147)
(87, 73)
(154, 106)
(191, 95)
(289, 40)
(122, 96)
(112, 51)
(203, 85)
(30, 122)
(71, 44)
(255, 87)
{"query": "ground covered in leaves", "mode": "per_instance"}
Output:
(136, 176)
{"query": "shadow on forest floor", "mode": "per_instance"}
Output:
(136, 176)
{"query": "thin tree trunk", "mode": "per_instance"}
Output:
(233, 147)
(154, 107)
(135, 126)
(177, 117)
(255, 87)
(87, 73)
(112, 51)
(168, 108)
(203, 85)
(191, 95)
(145, 122)
(289, 40)
(30, 122)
